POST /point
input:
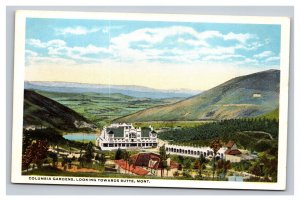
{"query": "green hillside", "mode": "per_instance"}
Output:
(252, 134)
(274, 114)
(40, 111)
(246, 96)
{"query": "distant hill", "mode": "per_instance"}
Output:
(134, 91)
(244, 96)
(41, 111)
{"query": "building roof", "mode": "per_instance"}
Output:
(233, 152)
(142, 159)
(132, 168)
(145, 132)
(118, 132)
(230, 144)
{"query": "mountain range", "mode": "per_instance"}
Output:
(245, 96)
(129, 90)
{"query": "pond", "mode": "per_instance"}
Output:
(81, 137)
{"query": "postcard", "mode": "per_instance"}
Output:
(150, 100)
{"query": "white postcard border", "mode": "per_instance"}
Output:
(18, 95)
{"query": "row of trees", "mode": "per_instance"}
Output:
(201, 164)
(265, 167)
(233, 129)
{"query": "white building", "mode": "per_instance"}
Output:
(124, 136)
(232, 153)
(194, 151)
(256, 95)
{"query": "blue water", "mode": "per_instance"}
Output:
(81, 136)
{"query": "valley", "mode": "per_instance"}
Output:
(102, 109)
(65, 126)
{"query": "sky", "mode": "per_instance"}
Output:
(161, 55)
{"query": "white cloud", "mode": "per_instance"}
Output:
(271, 59)
(58, 48)
(52, 43)
(217, 50)
(243, 38)
(151, 40)
(56, 43)
(147, 45)
(247, 62)
(222, 57)
(78, 30)
(80, 51)
(30, 53)
(157, 35)
(263, 54)
(193, 42)
(36, 43)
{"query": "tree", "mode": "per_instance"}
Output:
(179, 166)
(118, 154)
(73, 159)
(215, 146)
(163, 158)
(202, 161)
(168, 168)
(176, 174)
(126, 157)
(265, 167)
(102, 158)
(40, 151)
(263, 145)
(89, 152)
(187, 164)
(196, 165)
(81, 159)
(54, 158)
(223, 166)
(225, 129)
(180, 159)
(66, 163)
(97, 157)
(35, 153)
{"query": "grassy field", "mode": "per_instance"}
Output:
(103, 108)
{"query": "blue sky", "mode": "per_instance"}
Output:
(244, 47)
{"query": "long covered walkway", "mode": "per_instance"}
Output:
(193, 151)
